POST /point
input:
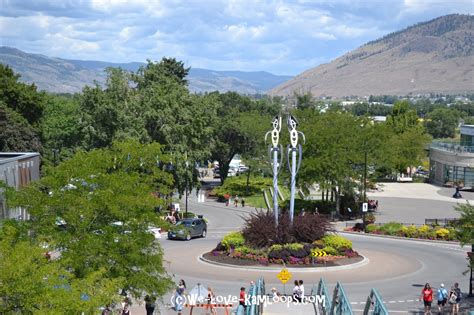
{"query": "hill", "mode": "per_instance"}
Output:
(69, 76)
(435, 56)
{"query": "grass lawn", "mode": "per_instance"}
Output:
(257, 200)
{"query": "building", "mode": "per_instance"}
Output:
(452, 163)
(17, 170)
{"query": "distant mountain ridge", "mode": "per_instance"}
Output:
(70, 76)
(434, 56)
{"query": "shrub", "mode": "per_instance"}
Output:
(369, 218)
(442, 233)
(233, 240)
(244, 250)
(424, 230)
(238, 186)
(391, 228)
(409, 231)
(331, 251)
(336, 241)
(279, 254)
(297, 250)
(260, 231)
(371, 228)
(310, 227)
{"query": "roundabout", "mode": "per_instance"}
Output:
(397, 268)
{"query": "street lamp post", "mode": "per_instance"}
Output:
(471, 262)
(365, 186)
(186, 188)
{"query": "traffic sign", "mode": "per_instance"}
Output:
(284, 275)
(365, 207)
(319, 253)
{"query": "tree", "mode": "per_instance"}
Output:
(21, 97)
(402, 117)
(240, 128)
(331, 150)
(96, 209)
(30, 283)
(60, 129)
(465, 225)
(16, 134)
(157, 71)
(305, 101)
(442, 123)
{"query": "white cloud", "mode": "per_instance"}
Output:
(284, 36)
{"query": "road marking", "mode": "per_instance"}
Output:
(392, 301)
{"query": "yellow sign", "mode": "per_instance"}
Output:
(284, 275)
(319, 253)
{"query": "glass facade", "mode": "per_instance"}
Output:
(453, 175)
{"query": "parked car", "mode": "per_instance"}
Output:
(188, 228)
(156, 231)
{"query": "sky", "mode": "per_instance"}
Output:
(281, 37)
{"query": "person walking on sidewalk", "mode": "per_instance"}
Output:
(236, 201)
(442, 297)
(427, 297)
(455, 298)
(300, 283)
(242, 202)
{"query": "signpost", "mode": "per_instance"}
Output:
(365, 208)
(284, 275)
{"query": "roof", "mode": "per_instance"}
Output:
(8, 157)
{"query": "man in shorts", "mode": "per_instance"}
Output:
(442, 296)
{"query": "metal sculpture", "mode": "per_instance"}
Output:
(274, 149)
(294, 166)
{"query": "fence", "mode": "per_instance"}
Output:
(442, 222)
(340, 304)
(374, 304)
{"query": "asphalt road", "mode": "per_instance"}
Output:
(397, 268)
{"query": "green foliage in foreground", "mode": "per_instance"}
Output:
(32, 284)
(104, 201)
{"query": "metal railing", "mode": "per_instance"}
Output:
(321, 290)
(452, 147)
(255, 292)
(340, 304)
(441, 222)
(374, 304)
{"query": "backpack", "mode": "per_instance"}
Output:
(453, 298)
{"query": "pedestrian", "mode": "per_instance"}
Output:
(107, 310)
(242, 202)
(427, 297)
(442, 297)
(126, 307)
(455, 298)
(150, 304)
(242, 305)
(236, 201)
(210, 301)
(227, 199)
(297, 292)
(179, 296)
(302, 298)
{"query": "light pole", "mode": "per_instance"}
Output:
(471, 262)
(186, 188)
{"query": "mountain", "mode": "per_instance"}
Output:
(435, 56)
(70, 76)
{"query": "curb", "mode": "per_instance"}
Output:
(358, 264)
(401, 238)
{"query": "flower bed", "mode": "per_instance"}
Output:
(411, 231)
(330, 250)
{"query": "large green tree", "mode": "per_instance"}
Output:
(442, 122)
(21, 97)
(96, 207)
(16, 134)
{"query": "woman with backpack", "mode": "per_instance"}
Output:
(455, 298)
(427, 297)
